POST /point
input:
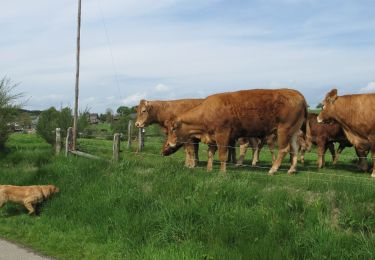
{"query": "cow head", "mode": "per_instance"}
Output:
(176, 134)
(143, 115)
(328, 108)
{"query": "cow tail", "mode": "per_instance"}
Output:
(307, 132)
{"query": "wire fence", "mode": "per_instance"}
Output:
(312, 172)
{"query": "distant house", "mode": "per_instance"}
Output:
(94, 118)
(15, 127)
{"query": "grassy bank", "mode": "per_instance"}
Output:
(151, 207)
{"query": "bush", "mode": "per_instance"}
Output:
(51, 119)
(8, 109)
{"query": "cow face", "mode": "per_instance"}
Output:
(175, 133)
(328, 108)
(143, 110)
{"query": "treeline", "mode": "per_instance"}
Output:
(104, 126)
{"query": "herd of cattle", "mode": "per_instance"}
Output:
(259, 116)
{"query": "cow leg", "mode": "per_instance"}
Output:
(283, 142)
(331, 148)
(271, 146)
(302, 155)
(293, 153)
(211, 152)
(222, 141)
(373, 159)
(321, 151)
(255, 146)
(362, 159)
(196, 153)
(255, 156)
(189, 155)
(243, 150)
(232, 152)
(339, 151)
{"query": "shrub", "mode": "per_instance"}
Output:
(51, 119)
(8, 108)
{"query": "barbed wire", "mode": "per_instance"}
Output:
(265, 168)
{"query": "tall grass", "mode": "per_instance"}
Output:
(151, 207)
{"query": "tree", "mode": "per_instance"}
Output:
(51, 119)
(24, 120)
(8, 108)
(65, 119)
(47, 124)
(320, 105)
(109, 115)
(124, 110)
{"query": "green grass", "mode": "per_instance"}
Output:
(151, 207)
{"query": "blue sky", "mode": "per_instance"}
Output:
(171, 49)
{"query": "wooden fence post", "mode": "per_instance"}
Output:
(58, 141)
(69, 141)
(130, 129)
(141, 139)
(116, 147)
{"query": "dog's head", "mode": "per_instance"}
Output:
(49, 190)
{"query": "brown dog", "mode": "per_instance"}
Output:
(26, 195)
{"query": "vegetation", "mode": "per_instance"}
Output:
(8, 108)
(151, 207)
(51, 119)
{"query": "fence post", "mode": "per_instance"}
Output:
(58, 141)
(69, 141)
(116, 147)
(141, 139)
(130, 129)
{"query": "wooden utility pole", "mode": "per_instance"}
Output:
(75, 121)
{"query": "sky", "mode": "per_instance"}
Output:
(171, 49)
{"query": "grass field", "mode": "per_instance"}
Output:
(151, 207)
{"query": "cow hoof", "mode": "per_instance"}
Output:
(271, 172)
(292, 172)
(372, 175)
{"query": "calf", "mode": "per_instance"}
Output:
(159, 112)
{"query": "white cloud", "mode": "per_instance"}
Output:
(369, 88)
(134, 99)
(161, 88)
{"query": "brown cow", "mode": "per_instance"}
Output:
(222, 118)
(324, 136)
(256, 144)
(159, 112)
(356, 115)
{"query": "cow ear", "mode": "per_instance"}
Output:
(332, 96)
